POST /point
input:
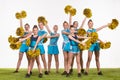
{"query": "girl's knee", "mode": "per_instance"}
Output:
(97, 59)
(89, 59)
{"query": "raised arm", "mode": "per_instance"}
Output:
(75, 39)
(70, 20)
(83, 22)
(21, 24)
(48, 29)
(100, 40)
(104, 26)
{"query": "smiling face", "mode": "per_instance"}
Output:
(41, 26)
(65, 25)
(55, 28)
(90, 24)
(75, 24)
(35, 30)
(27, 27)
(72, 30)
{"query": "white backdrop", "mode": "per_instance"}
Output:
(103, 11)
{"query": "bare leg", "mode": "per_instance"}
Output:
(49, 61)
(89, 60)
(78, 62)
(57, 62)
(72, 62)
(69, 62)
(81, 60)
(19, 61)
(31, 63)
(28, 58)
(44, 61)
(97, 54)
(65, 60)
(38, 64)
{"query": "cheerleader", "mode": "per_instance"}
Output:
(52, 47)
(24, 47)
(75, 24)
(42, 34)
(33, 39)
(74, 51)
(66, 45)
(94, 48)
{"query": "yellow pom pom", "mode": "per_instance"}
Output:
(15, 46)
(87, 12)
(81, 32)
(88, 44)
(108, 44)
(14, 40)
(18, 45)
(105, 45)
(10, 39)
(67, 9)
(28, 42)
(37, 52)
(45, 22)
(32, 54)
(29, 53)
(113, 24)
(20, 31)
(23, 14)
(73, 11)
(18, 15)
(82, 47)
(94, 37)
(42, 19)
(45, 40)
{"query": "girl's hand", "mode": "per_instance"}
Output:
(20, 40)
(17, 42)
(89, 37)
(83, 44)
(33, 50)
(108, 24)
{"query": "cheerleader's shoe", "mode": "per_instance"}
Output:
(79, 74)
(68, 75)
(100, 73)
(85, 73)
(40, 75)
(64, 73)
(27, 75)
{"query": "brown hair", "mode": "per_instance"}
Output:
(74, 22)
(35, 26)
(90, 20)
(65, 22)
(71, 26)
(55, 25)
(27, 24)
